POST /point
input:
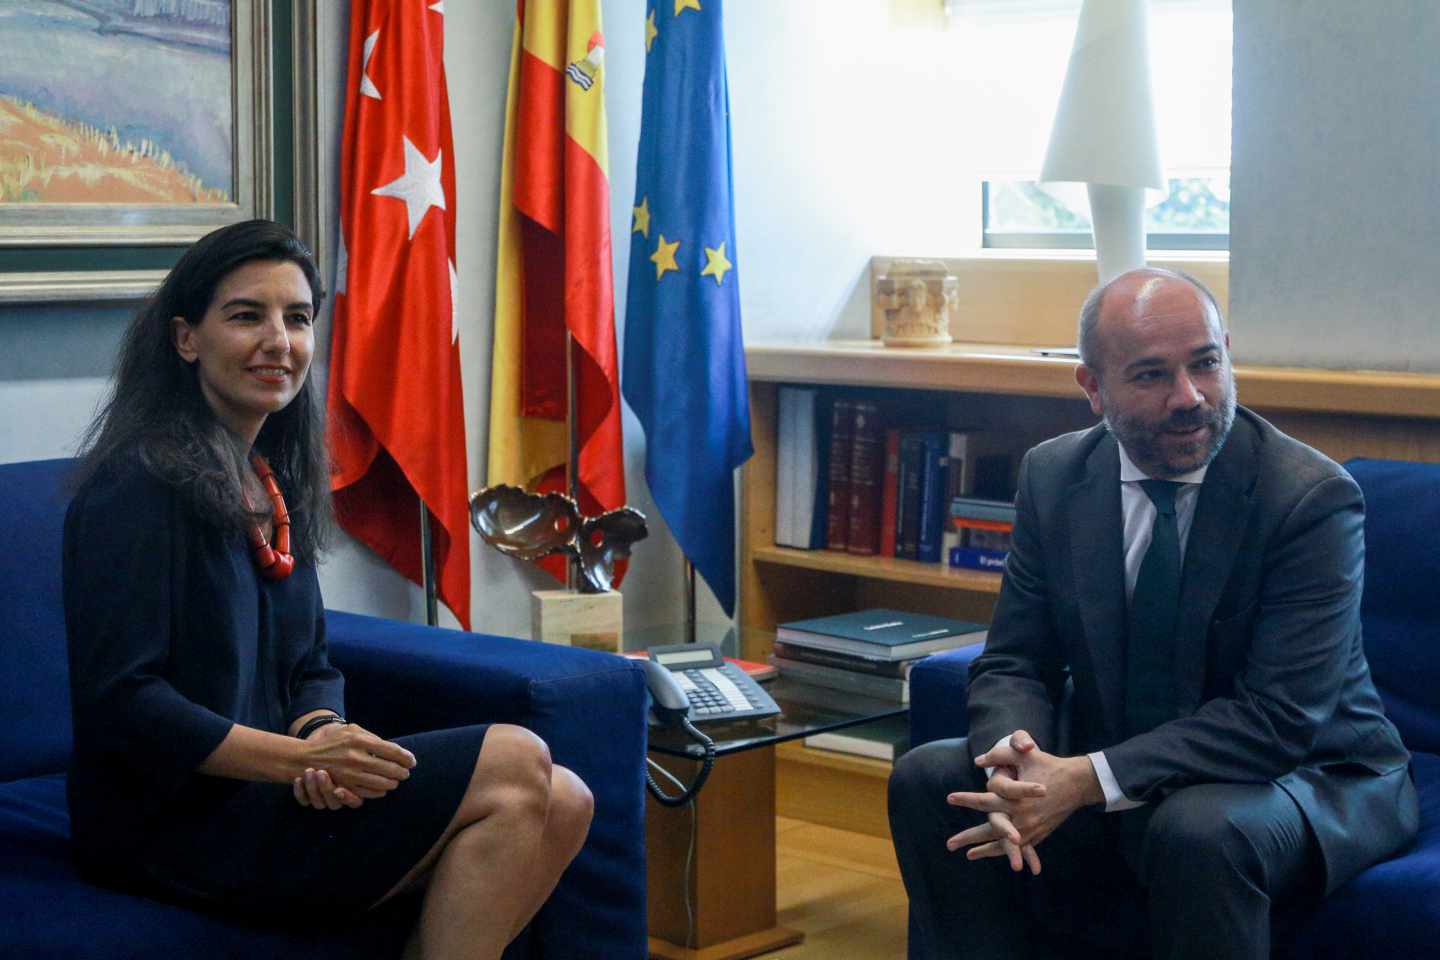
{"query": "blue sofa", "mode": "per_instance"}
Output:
(400, 678)
(1392, 909)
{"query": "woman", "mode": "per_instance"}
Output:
(212, 762)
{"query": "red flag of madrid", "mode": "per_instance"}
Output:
(396, 416)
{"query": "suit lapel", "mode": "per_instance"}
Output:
(1097, 557)
(1215, 536)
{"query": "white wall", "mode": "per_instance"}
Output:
(850, 139)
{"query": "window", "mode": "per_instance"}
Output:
(1023, 47)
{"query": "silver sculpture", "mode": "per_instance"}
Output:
(532, 526)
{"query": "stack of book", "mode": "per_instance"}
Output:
(868, 653)
(844, 480)
(980, 533)
(884, 739)
(827, 472)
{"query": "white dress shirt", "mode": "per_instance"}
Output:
(1138, 514)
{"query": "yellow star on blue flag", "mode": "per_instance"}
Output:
(715, 264)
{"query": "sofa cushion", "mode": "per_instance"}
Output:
(34, 672)
(938, 701)
(1392, 908)
(50, 912)
(1401, 606)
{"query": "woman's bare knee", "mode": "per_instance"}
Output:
(513, 771)
(572, 806)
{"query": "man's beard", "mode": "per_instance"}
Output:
(1143, 440)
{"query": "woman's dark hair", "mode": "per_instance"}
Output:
(156, 409)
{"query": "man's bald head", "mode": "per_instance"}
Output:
(1129, 287)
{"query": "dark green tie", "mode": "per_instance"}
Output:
(1154, 612)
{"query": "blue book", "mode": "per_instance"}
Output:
(934, 464)
(881, 634)
(978, 558)
(907, 508)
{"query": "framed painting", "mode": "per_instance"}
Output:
(130, 128)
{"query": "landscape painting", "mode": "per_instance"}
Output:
(115, 101)
(118, 114)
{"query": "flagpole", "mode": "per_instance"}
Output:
(689, 602)
(572, 458)
(427, 567)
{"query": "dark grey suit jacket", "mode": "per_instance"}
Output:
(1271, 677)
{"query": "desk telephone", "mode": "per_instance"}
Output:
(693, 682)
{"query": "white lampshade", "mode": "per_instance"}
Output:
(1104, 129)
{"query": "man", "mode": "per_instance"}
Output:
(1173, 714)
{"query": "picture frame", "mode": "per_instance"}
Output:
(121, 251)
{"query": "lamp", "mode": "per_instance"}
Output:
(1104, 133)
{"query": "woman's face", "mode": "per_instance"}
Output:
(253, 345)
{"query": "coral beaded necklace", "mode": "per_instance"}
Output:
(275, 562)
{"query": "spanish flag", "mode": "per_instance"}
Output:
(554, 270)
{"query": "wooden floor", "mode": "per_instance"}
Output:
(842, 889)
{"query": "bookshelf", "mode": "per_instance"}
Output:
(1032, 397)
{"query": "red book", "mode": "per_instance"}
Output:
(889, 492)
(837, 521)
(866, 469)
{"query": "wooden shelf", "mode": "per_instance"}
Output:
(1019, 371)
(833, 789)
(881, 568)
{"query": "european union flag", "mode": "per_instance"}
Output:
(684, 365)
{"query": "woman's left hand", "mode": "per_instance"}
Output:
(316, 789)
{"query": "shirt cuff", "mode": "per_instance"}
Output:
(1115, 799)
(990, 771)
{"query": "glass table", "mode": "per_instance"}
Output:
(805, 709)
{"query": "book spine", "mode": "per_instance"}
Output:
(804, 478)
(970, 508)
(815, 499)
(786, 446)
(889, 493)
(969, 523)
(897, 669)
(882, 688)
(976, 558)
(932, 494)
(959, 473)
(842, 421)
(866, 467)
(853, 746)
(912, 462)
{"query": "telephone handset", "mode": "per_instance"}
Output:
(669, 706)
(668, 702)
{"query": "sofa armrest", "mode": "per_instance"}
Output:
(939, 698)
(589, 707)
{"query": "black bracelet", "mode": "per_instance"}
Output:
(315, 723)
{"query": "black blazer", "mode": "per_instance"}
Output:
(1271, 676)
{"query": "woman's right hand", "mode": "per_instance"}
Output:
(357, 761)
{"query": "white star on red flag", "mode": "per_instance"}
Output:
(419, 186)
(367, 86)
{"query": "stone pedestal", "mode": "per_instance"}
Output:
(590, 620)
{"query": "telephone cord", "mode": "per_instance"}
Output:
(666, 800)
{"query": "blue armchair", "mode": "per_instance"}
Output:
(1393, 908)
(400, 678)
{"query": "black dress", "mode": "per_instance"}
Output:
(173, 637)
